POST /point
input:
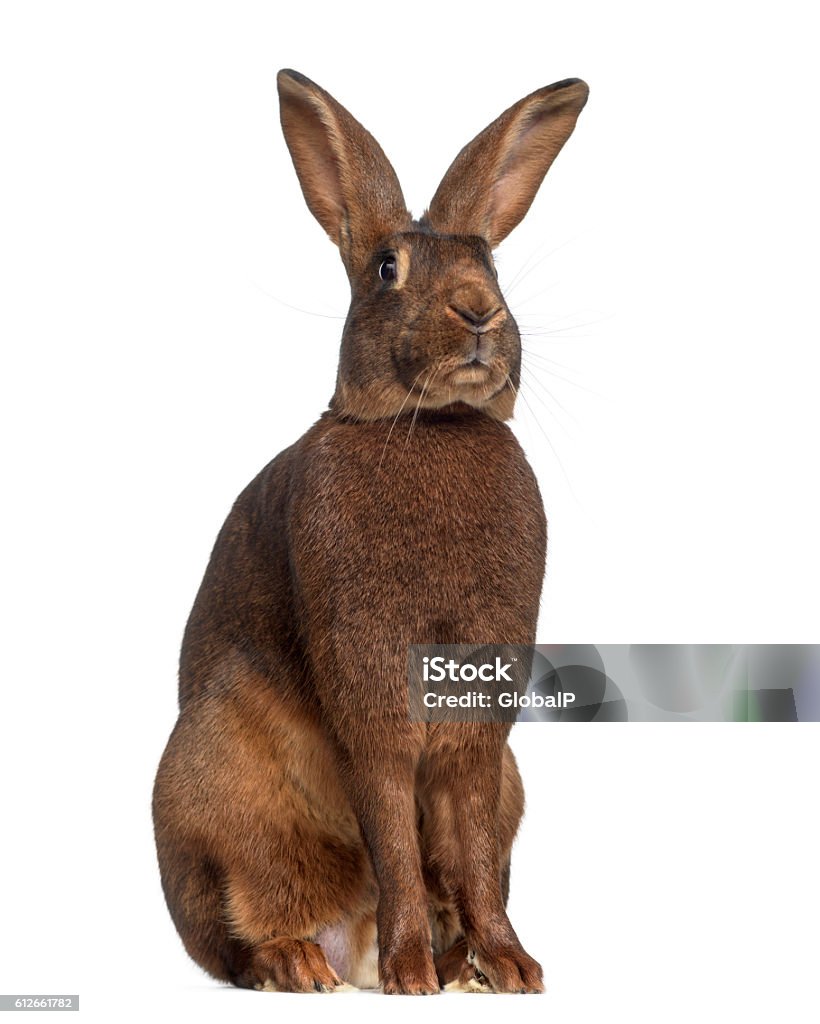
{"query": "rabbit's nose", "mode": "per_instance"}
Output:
(475, 306)
(473, 318)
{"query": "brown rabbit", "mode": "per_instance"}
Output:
(303, 821)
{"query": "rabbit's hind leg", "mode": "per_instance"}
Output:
(300, 896)
(193, 886)
(306, 959)
(288, 965)
(245, 949)
(259, 849)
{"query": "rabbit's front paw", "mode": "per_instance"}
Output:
(507, 968)
(409, 971)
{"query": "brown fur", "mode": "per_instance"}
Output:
(296, 807)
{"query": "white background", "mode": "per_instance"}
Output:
(154, 242)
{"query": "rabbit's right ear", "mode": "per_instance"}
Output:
(348, 182)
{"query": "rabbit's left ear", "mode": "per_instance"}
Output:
(493, 180)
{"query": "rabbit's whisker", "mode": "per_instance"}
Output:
(549, 442)
(568, 380)
(298, 309)
(396, 418)
(544, 327)
(539, 357)
(532, 379)
(430, 377)
(528, 266)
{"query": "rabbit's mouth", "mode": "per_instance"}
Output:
(474, 372)
(474, 380)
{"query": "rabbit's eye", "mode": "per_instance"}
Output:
(387, 270)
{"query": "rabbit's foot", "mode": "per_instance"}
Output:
(293, 965)
(470, 980)
(456, 974)
(410, 972)
(507, 968)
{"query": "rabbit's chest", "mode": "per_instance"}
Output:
(450, 511)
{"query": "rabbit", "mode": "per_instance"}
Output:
(310, 836)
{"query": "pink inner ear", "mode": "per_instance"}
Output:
(527, 159)
(316, 164)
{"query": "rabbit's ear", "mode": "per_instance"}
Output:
(348, 182)
(493, 180)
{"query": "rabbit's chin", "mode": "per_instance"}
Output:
(474, 384)
(483, 387)
(488, 387)
(472, 375)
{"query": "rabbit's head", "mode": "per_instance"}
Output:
(428, 326)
